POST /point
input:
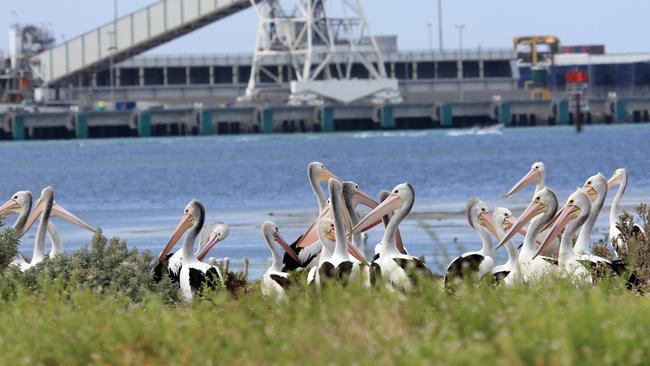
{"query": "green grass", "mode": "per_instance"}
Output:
(552, 324)
(100, 306)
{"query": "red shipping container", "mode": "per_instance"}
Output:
(576, 77)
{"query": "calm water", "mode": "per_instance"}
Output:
(137, 188)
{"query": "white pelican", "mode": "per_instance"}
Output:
(539, 213)
(307, 245)
(352, 196)
(395, 268)
(386, 219)
(537, 174)
(618, 178)
(212, 235)
(596, 189)
(274, 280)
(194, 273)
(474, 264)
(503, 221)
(45, 208)
(339, 267)
(21, 204)
(572, 216)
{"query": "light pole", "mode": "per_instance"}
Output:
(113, 48)
(460, 28)
(440, 44)
(429, 26)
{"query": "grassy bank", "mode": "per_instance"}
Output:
(552, 324)
(101, 306)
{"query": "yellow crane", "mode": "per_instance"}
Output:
(538, 90)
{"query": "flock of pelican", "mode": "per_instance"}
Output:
(331, 249)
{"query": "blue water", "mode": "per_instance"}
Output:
(137, 188)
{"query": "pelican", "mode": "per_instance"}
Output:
(539, 213)
(503, 220)
(474, 264)
(307, 246)
(398, 236)
(21, 204)
(618, 178)
(194, 273)
(572, 216)
(536, 174)
(352, 196)
(44, 208)
(274, 280)
(596, 189)
(394, 267)
(339, 266)
(212, 235)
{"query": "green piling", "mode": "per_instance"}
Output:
(206, 122)
(505, 117)
(267, 120)
(18, 127)
(81, 125)
(327, 114)
(620, 111)
(387, 117)
(144, 124)
(446, 115)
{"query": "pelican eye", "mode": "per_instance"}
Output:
(396, 191)
(538, 198)
(15, 197)
(356, 187)
(483, 209)
(571, 202)
(589, 183)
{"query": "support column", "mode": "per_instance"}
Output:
(144, 124)
(18, 127)
(81, 125)
(267, 120)
(562, 116)
(504, 113)
(387, 117)
(141, 76)
(446, 115)
(165, 76)
(327, 118)
(188, 79)
(620, 111)
(206, 122)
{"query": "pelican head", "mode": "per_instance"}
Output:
(619, 177)
(327, 233)
(574, 213)
(272, 234)
(319, 173)
(502, 218)
(400, 201)
(193, 217)
(478, 216)
(544, 205)
(354, 195)
(20, 201)
(218, 232)
(536, 174)
(47, 194)
(595, 187)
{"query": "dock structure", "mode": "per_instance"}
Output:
(327, 118)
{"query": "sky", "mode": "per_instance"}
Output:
(619, 24)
